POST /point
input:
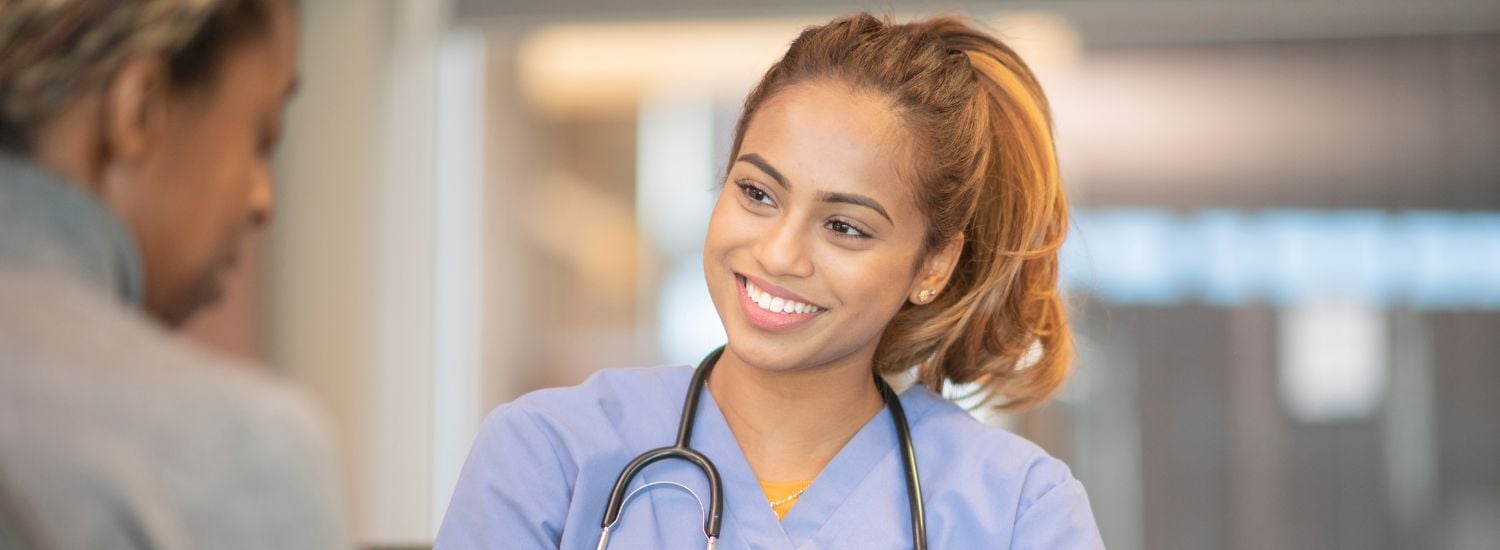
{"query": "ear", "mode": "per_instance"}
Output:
(133, 107)
(936, 269)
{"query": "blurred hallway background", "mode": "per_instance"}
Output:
(1285, 260)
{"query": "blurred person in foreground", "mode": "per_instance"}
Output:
(135, 145)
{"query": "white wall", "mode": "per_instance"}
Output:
(374, 257)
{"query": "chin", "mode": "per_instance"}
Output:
(764, 356)
(196, 299)
(174, 317)
(779, 352)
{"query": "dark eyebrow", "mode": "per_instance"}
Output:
(845, 198)
(857, 200)
(760, 162)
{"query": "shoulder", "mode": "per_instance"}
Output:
(79, 353)
(609, 391)
(288, 469)
(110, 364)
(162, 423)
(969, 466)
(277, 445)
(634, 402)
(999, 461)
(524, 466)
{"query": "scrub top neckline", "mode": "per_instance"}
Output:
(782, 496)
(873, 445)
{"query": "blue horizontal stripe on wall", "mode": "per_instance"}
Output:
(1416, 259)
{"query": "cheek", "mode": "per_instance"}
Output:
(217, 168)
(727, 227)
(202, 188)
(871, 285)
(205, 177)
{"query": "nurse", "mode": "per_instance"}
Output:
(892, 205)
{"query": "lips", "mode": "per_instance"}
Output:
(773, 308)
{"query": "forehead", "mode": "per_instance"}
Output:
(829, 137)
(283, 33)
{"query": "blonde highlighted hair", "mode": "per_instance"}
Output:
(53, 50)
(984, 167)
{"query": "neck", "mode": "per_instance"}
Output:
(790, 424)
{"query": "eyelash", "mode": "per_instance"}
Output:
(839, 227)
(747, 189)
(843, 233)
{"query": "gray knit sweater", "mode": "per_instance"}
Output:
(114, 433)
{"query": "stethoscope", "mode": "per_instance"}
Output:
(713, 517)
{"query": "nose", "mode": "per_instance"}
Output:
(262, 200)
(785, 249)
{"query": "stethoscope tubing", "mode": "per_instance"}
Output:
(679, 450)
(909, 466)
(714, 519)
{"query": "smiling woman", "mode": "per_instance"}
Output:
(958, 140)
(892, 204)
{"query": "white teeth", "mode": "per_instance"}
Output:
(775, 303)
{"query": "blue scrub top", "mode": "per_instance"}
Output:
(543, 466)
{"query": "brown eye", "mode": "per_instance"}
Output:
(843, 229)
(754, 193)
